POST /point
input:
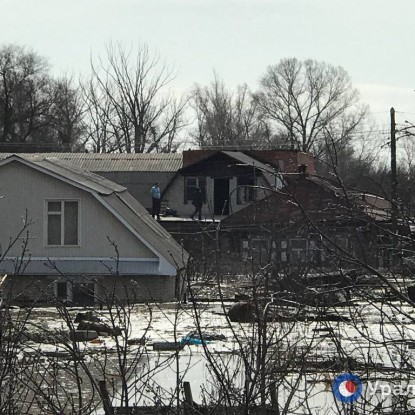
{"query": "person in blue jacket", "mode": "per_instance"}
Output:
(156, 196)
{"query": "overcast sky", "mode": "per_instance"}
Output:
(372, 39)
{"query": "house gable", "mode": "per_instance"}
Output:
(26, 186)
(136, 171)
(25, 190)
(229, 181)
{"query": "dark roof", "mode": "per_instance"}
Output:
(241, 158)
(249, 161)
(283, 203)
(377, 207)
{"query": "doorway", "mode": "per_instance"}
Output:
(221, 196)
(83, 294)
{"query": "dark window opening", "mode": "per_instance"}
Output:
(190, 185)
(83, 294)
(245, 191)
(61, 290)
(221, 196)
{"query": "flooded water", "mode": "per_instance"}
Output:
(302, 359)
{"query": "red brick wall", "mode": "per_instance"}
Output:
(193, 156)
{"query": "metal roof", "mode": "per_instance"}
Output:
(65, 171)
(110, 162)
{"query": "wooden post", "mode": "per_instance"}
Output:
(188, 398)
(274, 398)
(108, 409)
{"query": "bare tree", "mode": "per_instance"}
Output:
(67, 115)
(101, 134)
(36, 111)
(130, 106)
(304, 99)
(225, 117)
(23, 92)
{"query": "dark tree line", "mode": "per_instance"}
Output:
(128, 104)
(37, 111)
(125, 105)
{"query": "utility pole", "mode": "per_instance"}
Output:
(394, 180)
(394, 192)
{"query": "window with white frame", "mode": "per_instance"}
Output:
(298, 250)
(284, 246)
(316, 251)
(62, 222)
(245, 249)
(245, 191)
(342, 242)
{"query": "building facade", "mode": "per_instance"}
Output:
(73, 235)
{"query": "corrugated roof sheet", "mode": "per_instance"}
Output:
(109, 162)
(83, 178)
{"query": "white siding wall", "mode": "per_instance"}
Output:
(174, 197)
(24, 188)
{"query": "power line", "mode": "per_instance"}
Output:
(404, 112)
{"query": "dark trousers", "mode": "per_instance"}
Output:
(155, 211)
(198, 210)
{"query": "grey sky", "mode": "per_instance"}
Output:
(372, 39)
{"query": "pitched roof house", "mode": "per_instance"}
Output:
(226, 177)
(136, 172)
(85, 238)
(229, 180)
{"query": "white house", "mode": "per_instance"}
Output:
(229, 180)
(136, 171)
(80, 238)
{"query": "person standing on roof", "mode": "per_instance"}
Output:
(197, 203)
(156, 196)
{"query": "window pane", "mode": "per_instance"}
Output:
(202, 185)
(189, 185)
(54, 206)
(71, 223)
(54, 229)
(298, 244)
(61, 290)
(191, 182)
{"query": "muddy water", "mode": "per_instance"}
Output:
(315, 352)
